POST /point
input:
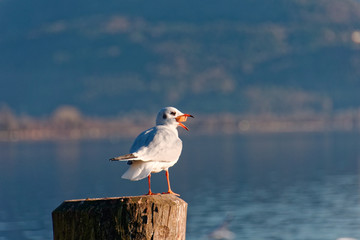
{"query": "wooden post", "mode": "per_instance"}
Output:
(143, 217)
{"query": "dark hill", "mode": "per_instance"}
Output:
(280, 56)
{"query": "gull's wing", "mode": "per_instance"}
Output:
(157, 144)
(142, 140)
(126, 157)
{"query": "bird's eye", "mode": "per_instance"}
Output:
(173, 113)
(164, 116)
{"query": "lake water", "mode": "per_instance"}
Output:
(270, 186)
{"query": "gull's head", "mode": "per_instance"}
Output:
(172, 117)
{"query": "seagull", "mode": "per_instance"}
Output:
(156, 149)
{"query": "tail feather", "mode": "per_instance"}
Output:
(124, 157)
(138, 170)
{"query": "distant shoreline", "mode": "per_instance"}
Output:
(82, 128)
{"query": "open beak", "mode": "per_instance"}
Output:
(183, 118)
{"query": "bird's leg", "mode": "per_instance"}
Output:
(168, 182)
(149, 181)
(150, 192)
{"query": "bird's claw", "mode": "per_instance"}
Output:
(171, 192)
(151, 193)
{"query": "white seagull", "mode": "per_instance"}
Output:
(156, 149)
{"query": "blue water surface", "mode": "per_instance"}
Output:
(259, 186)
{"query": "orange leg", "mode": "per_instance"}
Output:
(168, 182)
(150, 192)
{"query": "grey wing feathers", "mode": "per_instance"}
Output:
(124, 157)
(158, 144)
(155, 144)
(143, 139)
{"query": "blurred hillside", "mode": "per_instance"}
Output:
(245, 57)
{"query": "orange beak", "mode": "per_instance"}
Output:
(183, 118)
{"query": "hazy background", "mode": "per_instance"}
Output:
(249, 56)
(273, 152)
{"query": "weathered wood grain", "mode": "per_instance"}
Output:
(154, 217)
